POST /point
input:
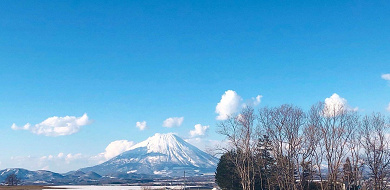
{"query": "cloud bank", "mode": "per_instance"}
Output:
(173, 122)
(63, 162)
(56, 126)
(58, 163)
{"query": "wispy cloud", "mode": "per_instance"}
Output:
(199, 130)
(256, 101)
(173, 122)
(213, 147)
(386, 76)
(72, 157)
(59, 163)
(141, 125)
(25, 127)
(56, 126)
(388, 108)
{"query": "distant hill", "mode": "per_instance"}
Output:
(32, 177)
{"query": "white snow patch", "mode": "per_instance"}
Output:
(131, 171)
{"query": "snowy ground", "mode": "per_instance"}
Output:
(113, 187)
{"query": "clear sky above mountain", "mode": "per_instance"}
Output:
(82, 81)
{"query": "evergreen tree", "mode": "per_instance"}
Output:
(226, 176)
(265, 164)
(348, 175)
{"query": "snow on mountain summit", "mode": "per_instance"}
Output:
(163, 154)
(174, 149)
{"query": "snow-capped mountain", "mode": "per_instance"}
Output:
(31, 177)
(43, 177)
(161, 154)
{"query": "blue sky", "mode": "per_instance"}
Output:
(124, 62)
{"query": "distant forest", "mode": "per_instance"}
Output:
(329, 147)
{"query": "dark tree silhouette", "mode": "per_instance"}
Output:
(348, 177)
(12, 180)
(226, 175)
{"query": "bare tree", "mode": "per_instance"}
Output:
(347, 173)
(300, 145)
(314, 134)
(336, 124)
(241, 132)
(284, 125)
(376, 147)
(356, 160)
(268, 123)
(309, 158)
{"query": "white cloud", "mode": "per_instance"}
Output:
(199, 130)
(336, 105)
(388, 107)
(253, 102)
(114, 149)
(56, 126)
(64, 162)
(231, 103)
(386, 76)
(25, 127)
(141, 125)
(117, 147)
(173, 122)
(256, 101)
(50, 157)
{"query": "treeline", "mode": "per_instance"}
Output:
(328, 147)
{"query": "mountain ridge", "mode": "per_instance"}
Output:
(162, 155)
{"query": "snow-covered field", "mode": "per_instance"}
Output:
(112, 187)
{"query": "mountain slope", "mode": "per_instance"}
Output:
(161, 154)
(26, 176)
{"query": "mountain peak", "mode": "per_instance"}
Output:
(160, 143)
(162, 154)
(164, 135)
